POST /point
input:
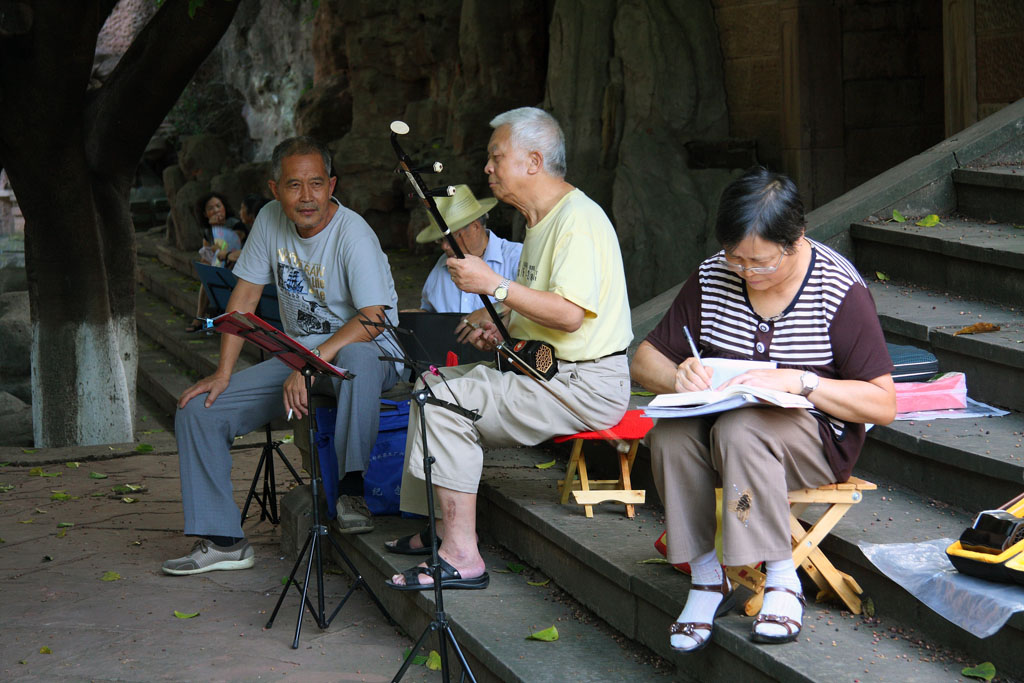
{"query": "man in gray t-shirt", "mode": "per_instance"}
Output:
(330, 272)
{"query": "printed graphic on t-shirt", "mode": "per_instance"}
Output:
(527, 272)
(299, 302)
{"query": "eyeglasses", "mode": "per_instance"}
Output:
(756, 270)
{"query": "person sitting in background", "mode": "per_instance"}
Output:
(222, 238)
(249, 209)
(771, 294)
(467, 219)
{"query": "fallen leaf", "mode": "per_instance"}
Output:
(60, 496)
(929, 221)
(515, 568)
(143, 448)
(978, 328)
(433, 661)
(47, 558)
(544, 465)
(898, 217)
(110, 576)
(97, 475)
(547, 635)
(28, 450)
(126, 499)
(1019, 227)
(882, 277)
(127, 488)
(62, 533)
(6, 487)
(538, 583)
(73, 465)
(65, 524)
(869, 607)
(2, 541)
(654, 560)
(288, 439)
(25, 521)
(183, 615)
(38, 472)
(4, 464)
(985, 671)
(45, 650)
(42, 511)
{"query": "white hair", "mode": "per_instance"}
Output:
(534, 130)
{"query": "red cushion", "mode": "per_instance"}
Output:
(632, 426)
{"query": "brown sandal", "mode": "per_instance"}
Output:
(792, 625)
(689, 628)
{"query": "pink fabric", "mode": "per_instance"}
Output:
(946, 391)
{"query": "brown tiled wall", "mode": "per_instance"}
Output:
(749, 35)
(999, 27)
(892, 83)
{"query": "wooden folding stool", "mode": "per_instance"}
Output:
(830, 581)
(631, 429)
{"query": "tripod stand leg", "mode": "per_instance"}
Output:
(431, 627)
(287, 464)
(305, 588)
(359, 582)
(252, 487)
(291, 581)
(270, 490)
(466, 671)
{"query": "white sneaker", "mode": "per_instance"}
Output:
(205, 556)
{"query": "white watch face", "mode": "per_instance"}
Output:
(501, 293)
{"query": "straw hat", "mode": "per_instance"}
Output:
(458, 212)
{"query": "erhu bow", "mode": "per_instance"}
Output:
(536, 348)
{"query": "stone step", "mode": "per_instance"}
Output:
(490, 625)
(970, 257)
(165, 325)
(597, 561)
(161, 376)
(991, 193)
(993, 361)
(178, 259)
(179, 290)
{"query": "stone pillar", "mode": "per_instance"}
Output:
(812, 99)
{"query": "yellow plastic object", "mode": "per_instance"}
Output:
(1007, 566)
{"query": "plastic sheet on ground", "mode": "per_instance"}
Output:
(974, 409)
(978, 606)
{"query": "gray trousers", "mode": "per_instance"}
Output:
(515, 411)
(253, 398)
(759, 455)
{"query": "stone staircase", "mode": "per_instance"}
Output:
(611, 608)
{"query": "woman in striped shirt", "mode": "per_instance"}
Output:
(771, 294)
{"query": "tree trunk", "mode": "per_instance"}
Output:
(70, 154)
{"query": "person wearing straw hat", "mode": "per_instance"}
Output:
(466, 217)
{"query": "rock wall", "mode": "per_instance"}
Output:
(633, 82)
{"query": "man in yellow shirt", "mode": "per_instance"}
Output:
(570, 291)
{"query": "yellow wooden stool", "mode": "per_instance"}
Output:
(830, 581)
(633, 427)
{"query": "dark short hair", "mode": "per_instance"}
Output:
(297, 146)
(253, 203)
(763, 204)
(201, 208)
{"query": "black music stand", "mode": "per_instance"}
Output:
(296, 356)
(422, 397)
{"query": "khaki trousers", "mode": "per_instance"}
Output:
(758, 455)
(515, 410)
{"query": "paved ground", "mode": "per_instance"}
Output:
(55, 595)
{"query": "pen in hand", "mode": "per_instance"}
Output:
(693, 347)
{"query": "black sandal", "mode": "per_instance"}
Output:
(403, 545)
(450, 578)
(689, 628)
(792, 625)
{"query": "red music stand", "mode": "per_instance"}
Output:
(252, 328)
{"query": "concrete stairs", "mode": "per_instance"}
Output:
(613, 609)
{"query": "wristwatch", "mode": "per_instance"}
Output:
(808, 383)
(501, 292)
(316, 351)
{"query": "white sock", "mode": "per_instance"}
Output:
(780, 574)
(700, 605)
